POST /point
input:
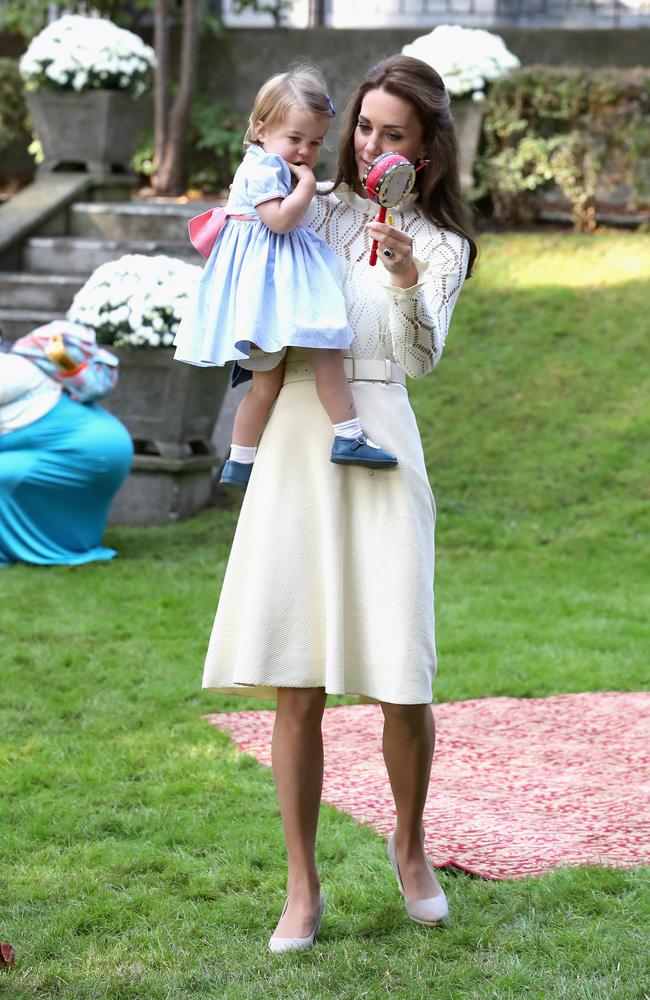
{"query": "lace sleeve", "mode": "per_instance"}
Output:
(408, 325)
(318, 209)
(419, 317)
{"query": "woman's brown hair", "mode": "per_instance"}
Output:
(437, 185)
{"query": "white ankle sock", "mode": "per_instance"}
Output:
(242, 453)
(352, 429)
(348, 428)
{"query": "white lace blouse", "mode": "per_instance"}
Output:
(406, 325)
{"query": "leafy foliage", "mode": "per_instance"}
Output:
(27, 17)
(13, 110)
(214, 146)
(582, 133)
(218, 134)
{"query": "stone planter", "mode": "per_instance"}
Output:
(468, 122)
(99, 128)
(170, 410)
(164, 490)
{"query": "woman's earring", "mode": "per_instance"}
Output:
(420, 164)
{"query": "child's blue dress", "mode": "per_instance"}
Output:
(262, 288)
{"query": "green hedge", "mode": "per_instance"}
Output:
(583, 134)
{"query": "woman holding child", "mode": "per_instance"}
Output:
(329, 586)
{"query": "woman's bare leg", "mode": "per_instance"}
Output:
(297, 750)
(254, 407)
(332, 385)
(408, 743)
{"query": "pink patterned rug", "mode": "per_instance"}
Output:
(519, 785)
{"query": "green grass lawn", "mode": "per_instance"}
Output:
(141, 856)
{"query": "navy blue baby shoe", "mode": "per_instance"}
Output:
(357, 451)
(236, 474)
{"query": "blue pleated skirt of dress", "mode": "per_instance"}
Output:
(58, 477)
(263, 289)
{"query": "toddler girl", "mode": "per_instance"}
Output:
(270, 283)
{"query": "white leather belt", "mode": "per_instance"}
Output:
(356, 370)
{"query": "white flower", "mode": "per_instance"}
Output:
(121, 314)
(135, 301)
(466, 58)
(86, 53)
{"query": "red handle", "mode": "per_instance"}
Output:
(381, 217)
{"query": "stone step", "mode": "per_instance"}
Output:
(75, 255)
(15, 323)
(135, 220)
(53, 292)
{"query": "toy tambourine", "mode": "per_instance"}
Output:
(387, 181)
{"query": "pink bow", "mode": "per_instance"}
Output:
(204, 229)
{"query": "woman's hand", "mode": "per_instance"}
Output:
(399, 261)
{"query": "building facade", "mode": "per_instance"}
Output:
(428, 13)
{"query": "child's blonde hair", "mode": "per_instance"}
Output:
(302, 87)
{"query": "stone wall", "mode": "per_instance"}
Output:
(232, 67)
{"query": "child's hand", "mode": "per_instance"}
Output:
(303, 174)
(283, 214)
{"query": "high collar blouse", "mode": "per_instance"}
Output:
(406, 325)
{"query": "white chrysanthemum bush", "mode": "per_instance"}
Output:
(466, 58)
(87, 53)
(135, 301)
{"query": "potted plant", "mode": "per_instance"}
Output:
(135, 304)
(86, 81)
(467, 60)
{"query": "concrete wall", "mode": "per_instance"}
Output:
(233, 66)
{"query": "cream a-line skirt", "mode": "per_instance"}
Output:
(330, 577)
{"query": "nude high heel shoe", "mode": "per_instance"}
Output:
(430, 911)
(279, 945)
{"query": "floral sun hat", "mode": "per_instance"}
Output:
(69, 354)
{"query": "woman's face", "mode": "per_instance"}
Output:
(386, 124)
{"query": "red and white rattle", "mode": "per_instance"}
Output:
(387, 181)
